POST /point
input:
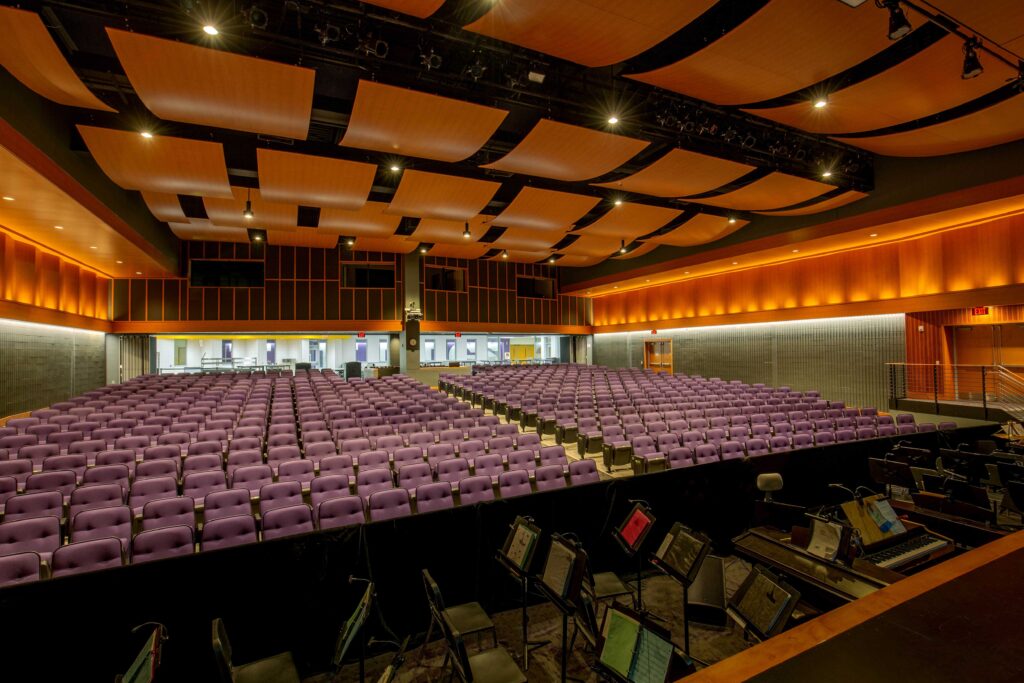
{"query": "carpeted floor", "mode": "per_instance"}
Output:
(662, 597)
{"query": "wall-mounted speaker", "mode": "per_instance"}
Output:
(412, 335)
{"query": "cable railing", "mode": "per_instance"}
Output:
(991, 387)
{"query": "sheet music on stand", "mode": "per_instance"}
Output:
(634, 529)
(682, 552)
(631, 651)
(143, 669)
(520, 544)
(763, 603)
(558, 569)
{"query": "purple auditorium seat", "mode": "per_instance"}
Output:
(926, 427)
(943, 426)
(514, 483)
(371, 481)
(439, 452)
(528, 441)
(582, 472)
(783, 429)
(298, 471)
(490, 465)
(692, 439)
(76, 462)
(389, 504)
(907, 428)
(501, 445)
(177, 439)
(414, 475)
(843, 435)
(824, 438)
(666, 442)
(162, 452)
(87, 556)
(866, 432)
(228, 503)
(555, 455)
(278, 495)
(453, 471)
(288, 439)
(422, 440)
(715, 437)
(732, 450)
(227, 532)
(326, 487)
(469, 450)
(22, 423)
(87, 448)
(36, 454)
(198, 485)
(887, 430)
(162, 543)
(246, 443)
(339, 512)
(279, 454)
(252, 478)
(111, 522)
(63, 481)
(287, 521)
(238, 459)
(522, 460)
(18, 469)
(431, 497)
(802, 440)
(549, 477)
(510, 430)
(407, 455)
(205, 448)
(337, 464)
(149, 469)
(95, 496)
(372, 460)
(145, 490)
(42, 431)
(20, 568)
(203, 463)
(34, 534)
(706, 453)
(757, 446)
(28, 505)
(8, 489)
(475, 489)
(681, 456)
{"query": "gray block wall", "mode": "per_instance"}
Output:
(42, 364)
(843, 358)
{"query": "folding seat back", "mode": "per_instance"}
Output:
(699, 424)
(528, 441)
(824, 438)
(413, 475)
(731, 450)
(522, 460)
(32, 534)
(667, 441)
(475, 489)
(95, 496)
(643, 445)
(354, 447)
(86, 556)
(369, 460)
(582, 472)
(200, 463)
(680, 457)
(390, 443)
(550, 477)
(388, 504)
(169, 512)
(179, 440)
(490, 465)
(802, 440)
(782, 429)
(227, 532)
(439, 452)
(63, 481)
(337, 464)
(715, 436)
(554, 455)
(42, 431)
(514, 483)
(340, 512)
(279, 454)
(298, 471)
(62, 439)
(162, 543)
(706, 453)
(36, 504)
(454, 470)
(822, 425)
(431, 497)
(370, 481)
(252, 478)
(21, 424)
(278, 495)
(228, 503)
(924, 427)
(198, 485)
(288, 439)
(865, 432)
(886, 430)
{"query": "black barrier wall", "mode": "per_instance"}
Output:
(293, 593)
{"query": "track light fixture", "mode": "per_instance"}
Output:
(475, 70)
(430, 60)
(247, 214)
(972, 65)
(349, 243)
(622, 246)
(899, 25)
(258, 18)
(466, 234)
(504, 254)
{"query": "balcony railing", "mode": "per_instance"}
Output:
(988, 386)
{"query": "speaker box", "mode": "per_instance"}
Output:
(707, 594)
(412, 335)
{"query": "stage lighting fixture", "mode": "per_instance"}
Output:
(622, 246)
(504, 254)
(430, 60)
(899, 26)
(210, 30)
(247, 213)
(466, 234)
(972, 65)
(821, 102)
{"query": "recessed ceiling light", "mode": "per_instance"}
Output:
(258, 238)
(350, 243)
(615, 287)
(8, 199)
(686, 272)
(138, 272)
(826, 174)
(146, 134)
(58, 227)
(821, 103)
(551, 260)
(874, 234)
(93, 246)
(395, 168)
(613, 119)
(735, 263)
(618, 202)
(423, 250)
(119, 262)
(504, 254)
(646, 280)
(732, 219)
(210, 30)
(796, 251)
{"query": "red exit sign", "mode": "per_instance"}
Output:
(979, 310)
(361, 335)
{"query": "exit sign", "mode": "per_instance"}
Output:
(979, 310)
(361, 335)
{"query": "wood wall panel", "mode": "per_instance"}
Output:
(915, 274)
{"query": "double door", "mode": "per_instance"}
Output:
(658, 355)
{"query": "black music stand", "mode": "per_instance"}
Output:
(630, 536)
(633, 647)
(391, 671)
(681, 555)
(516, 555)
(143, 669)
(763, 604)
(353, 626)
(561, 583)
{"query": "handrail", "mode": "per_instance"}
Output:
(995, 386)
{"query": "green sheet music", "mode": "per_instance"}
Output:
(619, 642)
(653, 656)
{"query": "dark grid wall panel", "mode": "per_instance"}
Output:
(40, 365)
(843, 358)
(491, 298)
(300, 283)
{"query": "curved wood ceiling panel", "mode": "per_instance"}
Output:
(644, 248)
(435, 230)
(701, 229)
(466, 251)
(589, 32)
(194, 84)
(433, 195)
(313, 181)
(392, 245)
(833, 203)
(774, 191)
(164, 206)
(925, 84)
(521, 256)
(369, 221)
(204, 230)
(417, 8)
(680, 173)
(303, 237)
(995, 125)
(29, 53)
(578, 260)
(160, 163)
(539, 209)
(592, 245)
(227, 213)
(786, 46)
(566, 152)
(400, 121)
(629, 221)
(522, 239)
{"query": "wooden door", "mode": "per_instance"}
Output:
(1011, 347)
(973, 346)
(658, 355)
